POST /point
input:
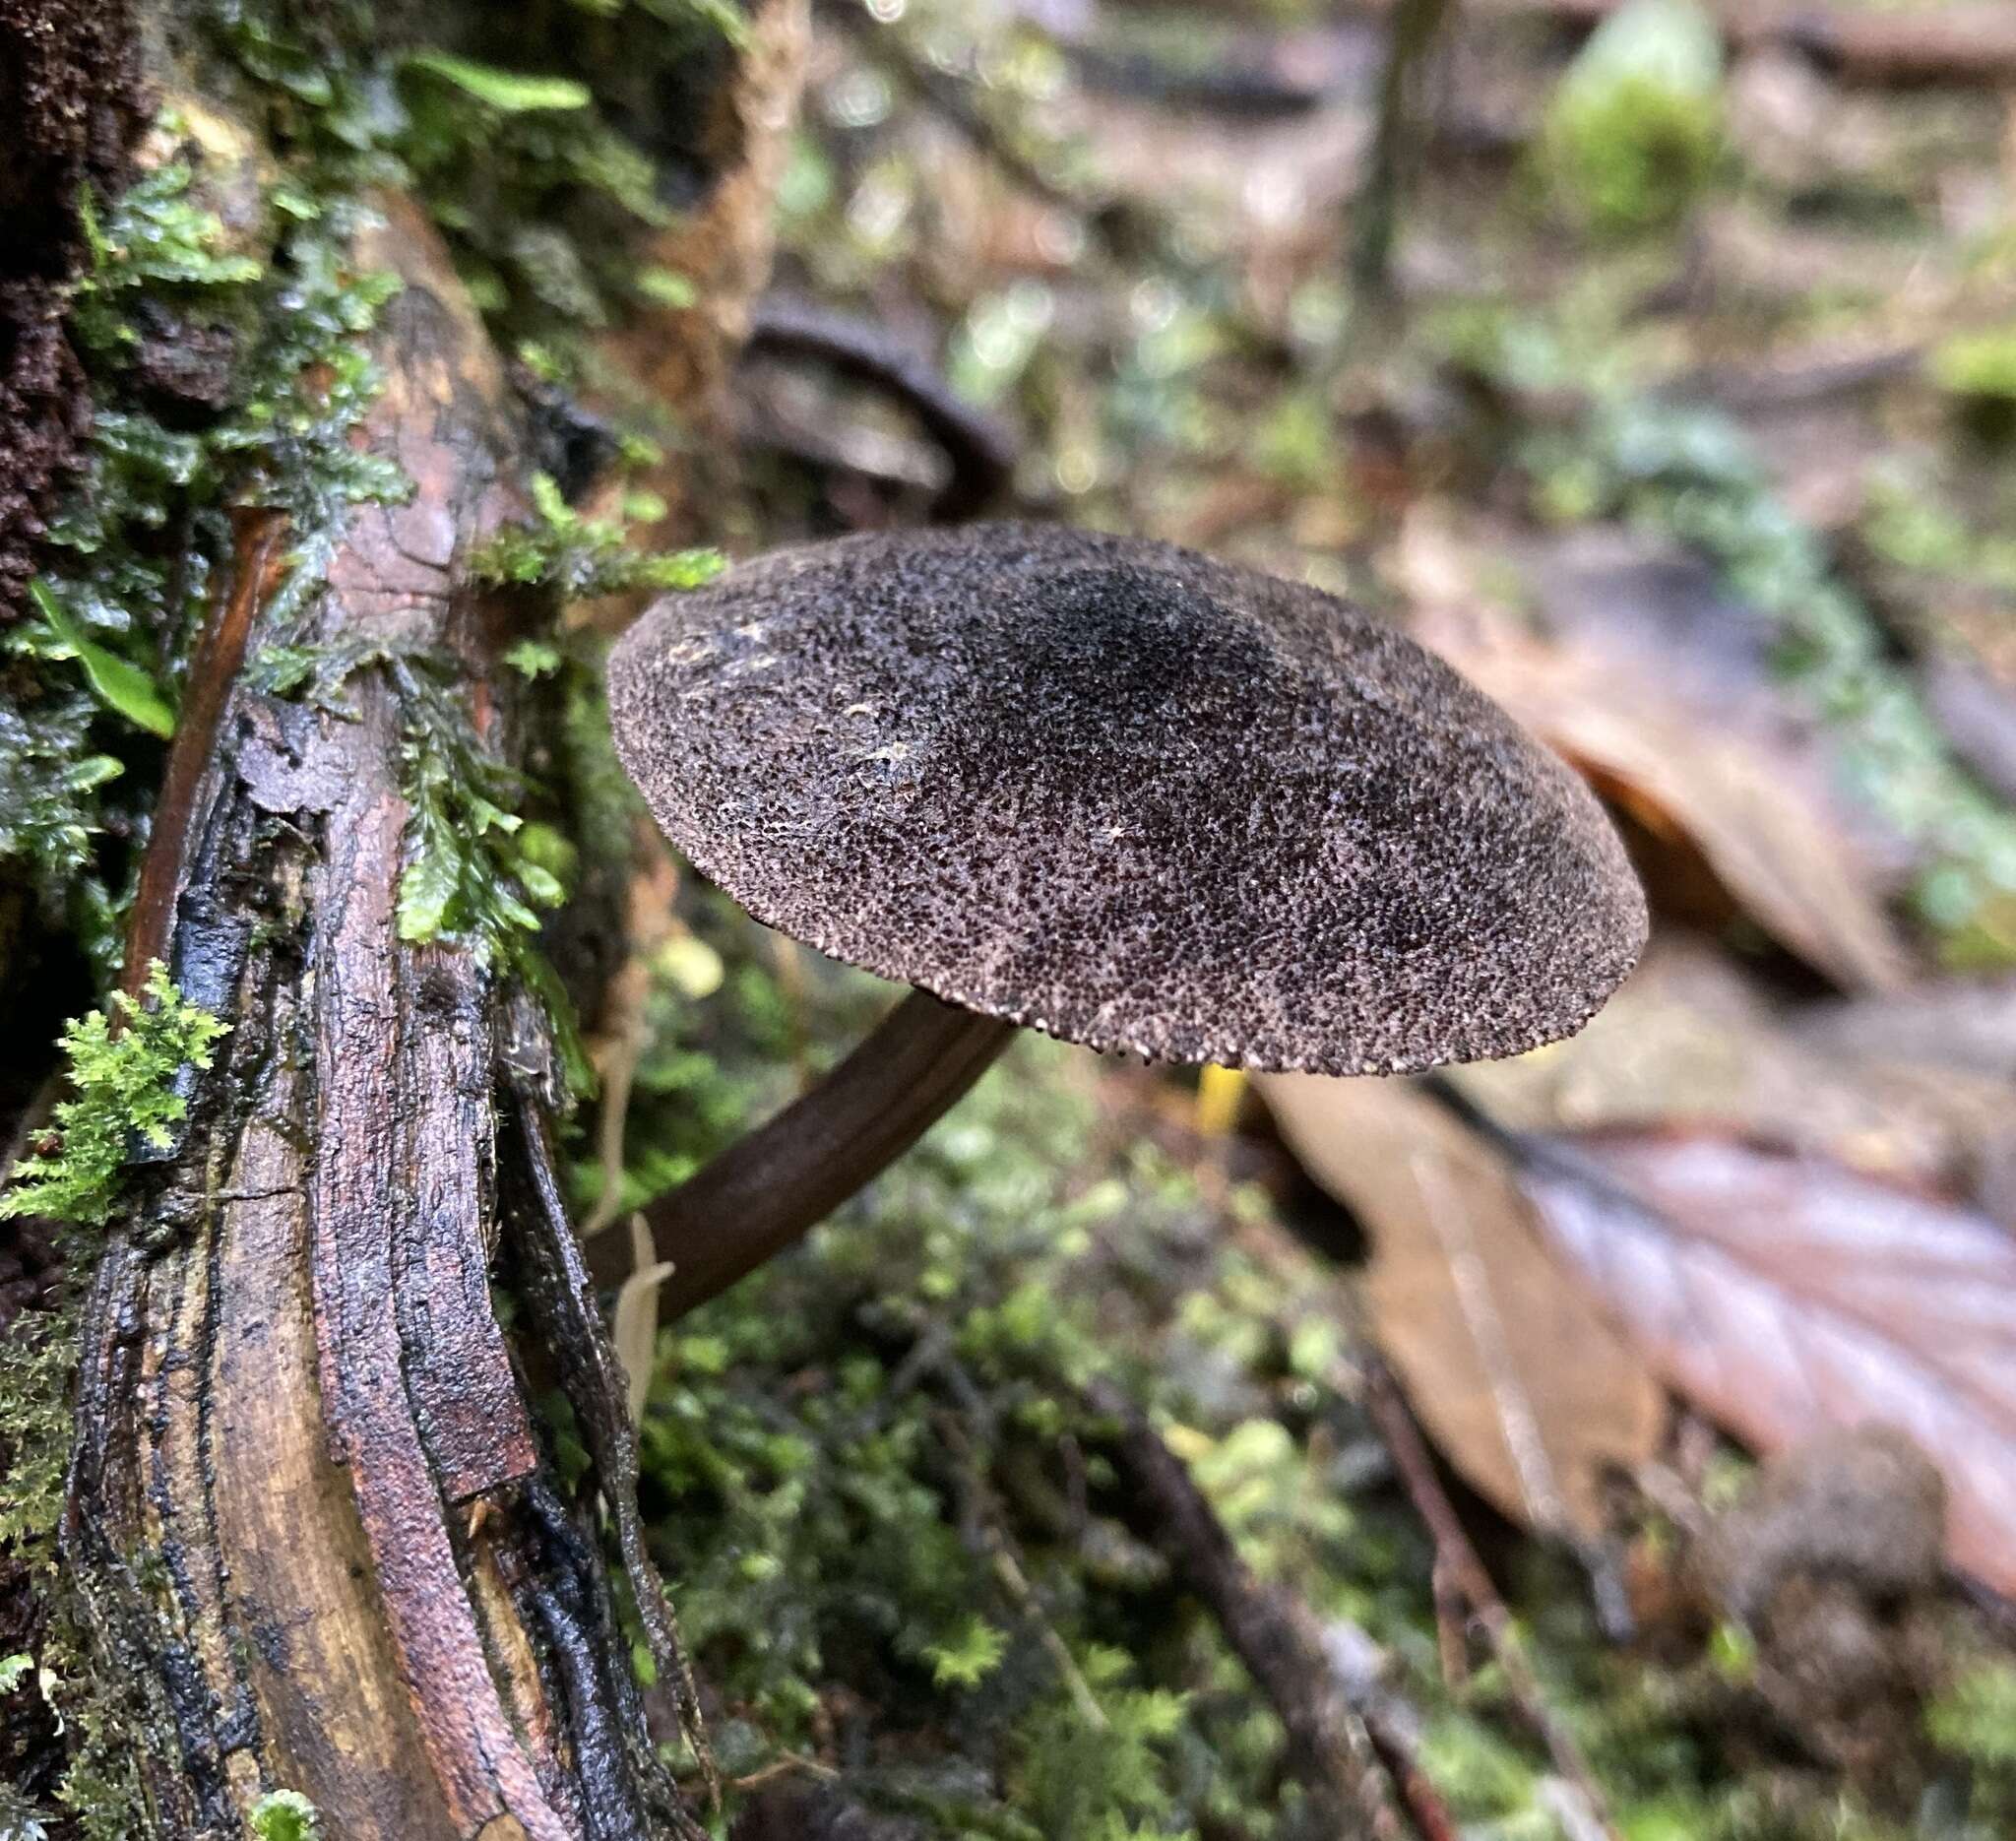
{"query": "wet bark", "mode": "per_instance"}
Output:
(319, 1531)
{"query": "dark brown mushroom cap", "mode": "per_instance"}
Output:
(1127, 794)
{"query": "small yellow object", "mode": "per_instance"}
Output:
(1219, 1092)
(692, 965)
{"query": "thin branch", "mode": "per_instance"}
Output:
(1457, 1560)
(981, 449)
(1272, 1634)
(986, 1529)
(1415, 27)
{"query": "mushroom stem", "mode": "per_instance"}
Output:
(770, 1187)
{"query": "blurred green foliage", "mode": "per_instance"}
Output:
(1691, 473)
(1976, 364)
(1634, 131)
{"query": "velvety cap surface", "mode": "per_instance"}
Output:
(1127, 794)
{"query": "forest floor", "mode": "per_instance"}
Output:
(1684, 427)
(1614, 1444)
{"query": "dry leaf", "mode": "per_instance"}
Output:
(1959, 1027)
(1660, 690)
(1785, 1295)
(1519, 1379)
(1693, 1039)
(1977, 713)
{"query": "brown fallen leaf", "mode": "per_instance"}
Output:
(1661, 689)
(1694, 1039)
(1959, 1027)
(1977, 713)
(1785, 1295)
(1516, 1376)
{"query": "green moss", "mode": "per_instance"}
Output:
(1634, 131)
(504, 92)
(36, 1362)
(1085, 1781)
(85, 681)
(969, 1657)
(1976, 1718)
(101, 1786)
(1976, 364)
(1978, 371)
(824, 1452)
(88, 684)
(466, 874)
(125, 1089)
(473, 871)
(578, 557)
(52, 780)
(286, 1816)
(534, 174)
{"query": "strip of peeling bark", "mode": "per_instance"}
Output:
(315, 1521)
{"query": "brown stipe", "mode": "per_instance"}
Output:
(770, 1187)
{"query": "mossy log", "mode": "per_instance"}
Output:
(312, 1515)
(322, 1540)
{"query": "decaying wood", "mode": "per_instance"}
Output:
(315, 1522)
(218, 657)
(682, 358)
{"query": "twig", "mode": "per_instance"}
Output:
(1801, 382)
(1252, 76)
(1272, 1633)
(816, 1811)
(1457, 1560)
(981, 449)
(988, 1531)
(1410, 38)
(784, 1765)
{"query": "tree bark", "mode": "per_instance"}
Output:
(320, 1534)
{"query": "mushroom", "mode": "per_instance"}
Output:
(1106, 789)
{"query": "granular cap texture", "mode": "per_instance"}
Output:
(1127, 794)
